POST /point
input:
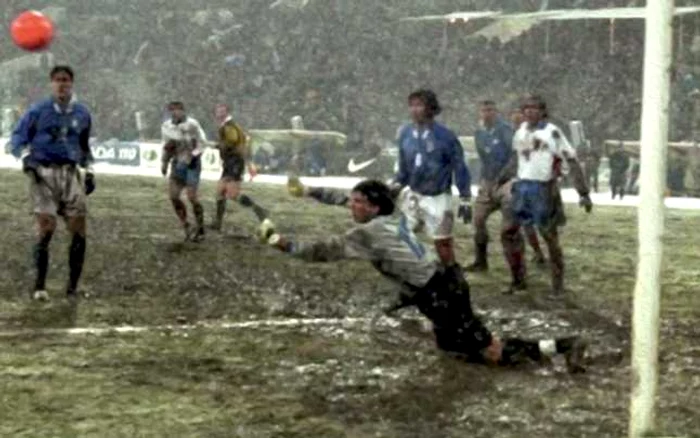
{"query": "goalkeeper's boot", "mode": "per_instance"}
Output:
(575, 354)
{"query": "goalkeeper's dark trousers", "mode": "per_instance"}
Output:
(445, 300)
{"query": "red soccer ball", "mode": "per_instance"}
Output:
(32, 31)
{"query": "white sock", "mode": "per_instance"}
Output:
(548, 347)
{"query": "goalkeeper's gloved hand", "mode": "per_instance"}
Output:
(265, 231)
(394, 189)
(90, 183)
(30, 166)
(295, 187)
(164, 169)
(586, 203)
(465, 210)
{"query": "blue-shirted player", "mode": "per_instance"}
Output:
(494, 144)
(52, 139)
(430, 157)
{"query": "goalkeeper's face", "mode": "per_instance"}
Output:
(362, 210)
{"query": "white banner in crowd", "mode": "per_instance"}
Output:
(143, 159)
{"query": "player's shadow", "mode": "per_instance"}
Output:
(182, 247)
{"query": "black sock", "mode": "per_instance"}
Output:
(564, 344)
(198, 213)
(76, 258)
(247, 201)
(220, 210)
(41, 261)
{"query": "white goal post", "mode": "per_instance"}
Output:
(654, 146)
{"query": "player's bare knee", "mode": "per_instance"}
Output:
(192, 196)
(45, 224)
(510, 232)
(77, 225)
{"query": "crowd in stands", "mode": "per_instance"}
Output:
(348, 65)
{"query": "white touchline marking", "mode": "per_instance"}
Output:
(125, 329)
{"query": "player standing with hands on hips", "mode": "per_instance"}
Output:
(429, 156)
(52, 139)
(183, 140)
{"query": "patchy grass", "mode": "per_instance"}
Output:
(363, 381)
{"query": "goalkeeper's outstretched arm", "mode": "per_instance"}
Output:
(327, 195)
(324, 195)
(354, 244)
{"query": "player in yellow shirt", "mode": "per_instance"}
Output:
(235, 154)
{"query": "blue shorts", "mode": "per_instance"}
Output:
(533, 203)
(187, 175)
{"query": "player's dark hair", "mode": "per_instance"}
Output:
(487, 102)
(429, 99)
(61, 69)
(377, 194)
(538, 101)
(176, 103)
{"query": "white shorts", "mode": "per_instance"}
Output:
(59, 192)
(432, 214)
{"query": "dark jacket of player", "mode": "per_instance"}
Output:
(429, 158)
(55, 136)
(495, 148)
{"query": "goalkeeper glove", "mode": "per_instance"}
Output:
(465, 210)
(90, 183)
(295, 187)
(266, 231)
(30, 166)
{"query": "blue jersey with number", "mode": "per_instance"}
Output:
(429, 158)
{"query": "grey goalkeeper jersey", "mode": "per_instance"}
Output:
(385, 241)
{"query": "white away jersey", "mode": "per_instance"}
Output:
(188, 130)
(538, 150)
(188, 136)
